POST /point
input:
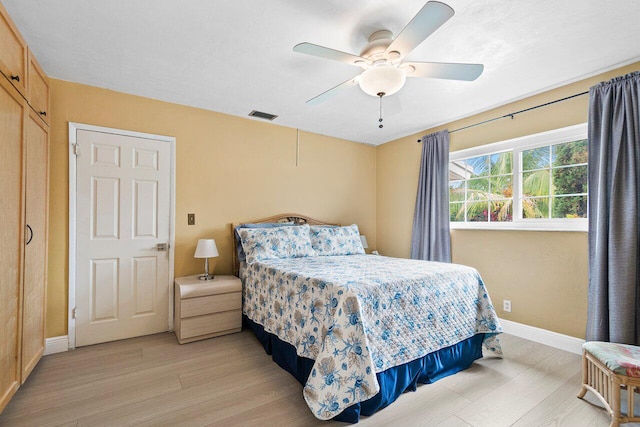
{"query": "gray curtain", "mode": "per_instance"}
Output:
(614, 173)
(430, 239)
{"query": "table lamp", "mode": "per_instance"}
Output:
(206, 249)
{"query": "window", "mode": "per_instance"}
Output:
(535, 182)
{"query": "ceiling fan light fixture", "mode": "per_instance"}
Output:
(383, 78)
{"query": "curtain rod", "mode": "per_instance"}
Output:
(517, 112)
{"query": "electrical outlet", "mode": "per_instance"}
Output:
(506, 305)
(191, 219)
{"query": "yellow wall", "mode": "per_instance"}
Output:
(228, 169)
(232, 169)
(544, 274)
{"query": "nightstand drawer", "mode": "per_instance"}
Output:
(211, 304)
(210, 324)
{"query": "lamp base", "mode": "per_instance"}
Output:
(206, 275)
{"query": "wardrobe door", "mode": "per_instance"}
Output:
(38, 89)
(12, 118)
(13, 54)
(35, 251)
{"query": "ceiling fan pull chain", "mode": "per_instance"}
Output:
(380, 94)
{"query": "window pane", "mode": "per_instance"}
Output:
(456, 191)
(479, 166)
(502, 210)
(456, 212)
(501, 163)
(570, 180)
(537, 158)
(477, 211)
(570, 153)
(459, 170)
(480, 185)
(535, 207)
(502, 186)
(535, 183)
(570, 207)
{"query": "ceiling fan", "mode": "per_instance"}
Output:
(383, 57)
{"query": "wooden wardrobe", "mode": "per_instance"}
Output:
(24, 183)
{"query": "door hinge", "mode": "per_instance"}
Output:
(75, 149)
(74, 312)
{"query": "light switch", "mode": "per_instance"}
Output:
(191, 219)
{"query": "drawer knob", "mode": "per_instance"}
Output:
(16, 78)
(43, 113)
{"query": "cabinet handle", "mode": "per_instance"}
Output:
(43, 113)
(30, 234)
(16, 78)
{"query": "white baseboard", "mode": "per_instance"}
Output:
(543, 336)
(56, 345)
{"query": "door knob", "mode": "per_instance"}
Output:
(162, 246)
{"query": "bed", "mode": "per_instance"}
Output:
(357, 330)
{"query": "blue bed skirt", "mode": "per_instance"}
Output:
(393, 382)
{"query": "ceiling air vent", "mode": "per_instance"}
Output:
(261, 115)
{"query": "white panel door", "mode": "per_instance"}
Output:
(122, 214)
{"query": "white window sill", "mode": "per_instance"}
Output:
(579, 225)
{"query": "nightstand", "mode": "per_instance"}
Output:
(207, 308)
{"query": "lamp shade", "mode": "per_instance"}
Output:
(206, 249)
(382, 78)
(364, 241)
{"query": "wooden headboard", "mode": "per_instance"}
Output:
(287, 217)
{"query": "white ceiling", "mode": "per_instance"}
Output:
(236, 56)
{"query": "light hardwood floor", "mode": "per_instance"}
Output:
(229, 381)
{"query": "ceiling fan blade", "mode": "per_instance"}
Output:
(430, 18)
(333, 91)
(443, 70)
(327, 53)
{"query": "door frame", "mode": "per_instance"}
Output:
(73, 128)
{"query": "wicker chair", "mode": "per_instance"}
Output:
(608, 368)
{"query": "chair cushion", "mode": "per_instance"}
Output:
(622, 359)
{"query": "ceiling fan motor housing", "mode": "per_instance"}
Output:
(378, 44)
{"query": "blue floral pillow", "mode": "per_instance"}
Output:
(336, 240)
(239, 250)
(281, 242)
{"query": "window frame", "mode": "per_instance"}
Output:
(517, 146)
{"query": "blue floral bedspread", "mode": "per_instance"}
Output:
(361, 314)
